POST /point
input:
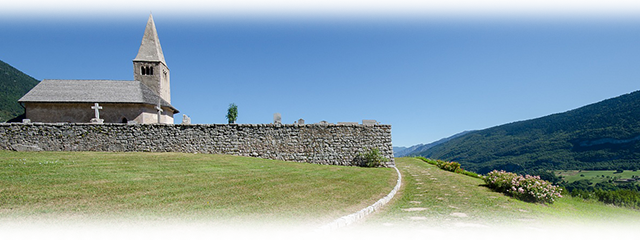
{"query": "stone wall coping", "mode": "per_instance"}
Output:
(195, 125)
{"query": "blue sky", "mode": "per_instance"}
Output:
(429, 71)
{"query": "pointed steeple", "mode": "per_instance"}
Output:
(149, 66)
(150, 49)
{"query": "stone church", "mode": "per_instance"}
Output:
(147, 99)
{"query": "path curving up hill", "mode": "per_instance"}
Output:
(437, 202)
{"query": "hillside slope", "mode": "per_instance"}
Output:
(442, 204)
(603, 135)
(13, 85)
(416, 149)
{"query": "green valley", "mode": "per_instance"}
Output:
(570, 176)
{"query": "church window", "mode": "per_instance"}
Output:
(146, 70)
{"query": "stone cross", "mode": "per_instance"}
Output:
(159, 113)
(97, 108)
(186, 119)
(277, 118)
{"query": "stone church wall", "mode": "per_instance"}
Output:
(112, 112)
(313, 143)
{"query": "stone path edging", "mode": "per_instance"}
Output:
(351, 218)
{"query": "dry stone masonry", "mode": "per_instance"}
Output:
(313, 143)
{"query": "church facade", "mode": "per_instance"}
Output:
(146, 99)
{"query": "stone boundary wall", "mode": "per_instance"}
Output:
(313, 143)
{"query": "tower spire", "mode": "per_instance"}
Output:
(150, 49)
(149, 66)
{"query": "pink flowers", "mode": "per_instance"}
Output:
(527, 188)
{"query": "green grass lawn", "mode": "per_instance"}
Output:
(432, 198)
(148, 186)
(595, 176)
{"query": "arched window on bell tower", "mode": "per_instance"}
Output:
(149, 57)
(146, 70)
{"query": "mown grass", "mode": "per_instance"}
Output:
(98, 185)
(432, 198)
(595, 176)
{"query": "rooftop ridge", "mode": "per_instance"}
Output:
(119, 80)
(106, 91)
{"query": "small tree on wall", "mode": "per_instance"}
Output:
(232, 113)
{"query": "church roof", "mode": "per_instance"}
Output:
(93, 91)
(150, 49)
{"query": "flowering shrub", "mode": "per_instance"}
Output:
(527, 188)
(449, 166)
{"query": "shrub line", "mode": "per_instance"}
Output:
(351, 218)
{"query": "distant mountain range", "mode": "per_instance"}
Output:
(13, 85)
(603, 135)
(416, 149)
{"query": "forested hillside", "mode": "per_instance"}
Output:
(604, 135)
(13, 85)
(413, 150)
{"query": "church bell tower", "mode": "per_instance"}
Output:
(149, 66)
